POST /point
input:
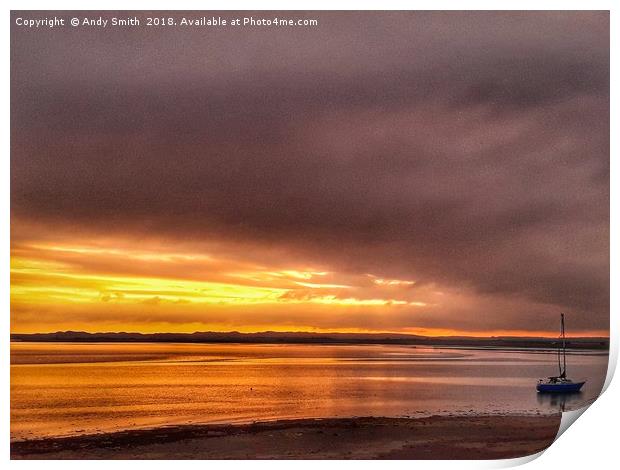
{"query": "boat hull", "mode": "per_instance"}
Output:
(560, 387)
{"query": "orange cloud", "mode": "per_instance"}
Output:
(117, 284)
(112, 277)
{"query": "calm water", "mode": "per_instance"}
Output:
(64, 388)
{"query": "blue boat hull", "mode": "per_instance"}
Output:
(560, 387)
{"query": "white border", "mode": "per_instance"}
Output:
(591, 443)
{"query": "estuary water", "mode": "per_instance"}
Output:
(60, 389)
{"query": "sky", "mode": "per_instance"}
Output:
(420, 172)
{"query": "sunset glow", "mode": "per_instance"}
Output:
(337, 181)
(79, 276)
(93, 287)
(339, 234)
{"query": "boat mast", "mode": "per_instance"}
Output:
(563, 374)
(559, 357)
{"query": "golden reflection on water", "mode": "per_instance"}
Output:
(68, 388)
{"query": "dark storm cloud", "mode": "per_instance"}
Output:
(465, 149)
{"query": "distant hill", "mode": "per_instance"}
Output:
(321, 338)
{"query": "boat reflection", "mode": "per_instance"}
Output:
(562, 401)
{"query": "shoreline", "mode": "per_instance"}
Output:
(435, 437)
(576, 343)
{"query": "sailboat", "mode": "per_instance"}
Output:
(560, 384)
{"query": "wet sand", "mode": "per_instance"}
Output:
(437, 437)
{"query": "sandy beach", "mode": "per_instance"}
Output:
(437, 437)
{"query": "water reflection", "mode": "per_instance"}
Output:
(64, 388)
(561, 401)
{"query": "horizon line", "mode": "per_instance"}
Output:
(303, 332)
